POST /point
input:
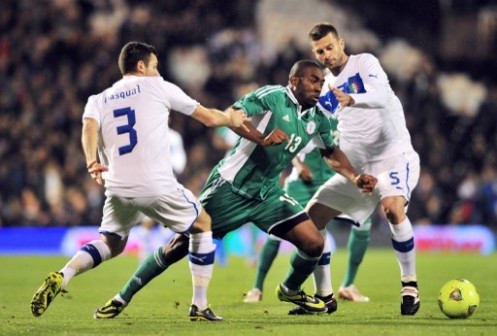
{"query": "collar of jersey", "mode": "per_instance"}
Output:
(294, 100)
(299, 107)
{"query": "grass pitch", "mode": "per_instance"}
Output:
(162, 307)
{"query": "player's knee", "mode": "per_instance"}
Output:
(394, 215)
(394, 209)
(314, 247)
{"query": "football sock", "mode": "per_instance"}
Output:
(252, 256)
(201, 260)
(357, 245)
(322, 272)
(145, 236)
(88, 257)
(221, 257)
(269, 251)
(403, 244)
(151, 267)
(301, 266)
(410, 284)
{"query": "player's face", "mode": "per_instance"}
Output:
(308, 87)
(150, 69)
(330, 52)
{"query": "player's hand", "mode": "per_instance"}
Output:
(343, 98)
(95, 170)
(237, 118)
(365, 182)
(276, 137)
(305, 172)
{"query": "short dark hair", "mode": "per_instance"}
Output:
(321, 30)
(133, 52)
(299, 67)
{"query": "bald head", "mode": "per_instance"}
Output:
(300, 67)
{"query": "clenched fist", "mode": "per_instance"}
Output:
(365, 182)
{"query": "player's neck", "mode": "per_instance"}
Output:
(336, 71)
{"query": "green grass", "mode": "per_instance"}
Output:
(161, 308)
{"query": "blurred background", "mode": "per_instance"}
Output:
(54, 54)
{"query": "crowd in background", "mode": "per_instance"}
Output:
(54, 54)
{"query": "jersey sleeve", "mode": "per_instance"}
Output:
(327, 133)
(375, 82)
(91, 109)
(177, 100)
(259, 101)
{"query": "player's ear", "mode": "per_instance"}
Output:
(293, 81)
(140, 66)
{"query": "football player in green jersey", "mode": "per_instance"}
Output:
(244, 186)
(309, 172)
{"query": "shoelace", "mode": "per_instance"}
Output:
(306, 297)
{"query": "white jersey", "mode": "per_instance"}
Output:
(375, 128)
(134, 134)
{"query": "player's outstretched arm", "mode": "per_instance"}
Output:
(249, 132)
(337, 160)
(213, 118)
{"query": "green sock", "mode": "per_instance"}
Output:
(301, 267)
(269, 251)
(357, 246)
(151, 267)
(254, 231)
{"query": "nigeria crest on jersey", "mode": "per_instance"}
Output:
(311, 127)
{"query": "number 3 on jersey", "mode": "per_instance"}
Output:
(127, 128)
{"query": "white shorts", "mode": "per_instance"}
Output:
(177, 210)
(397, 176)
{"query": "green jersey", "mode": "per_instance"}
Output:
(321, 171)
(253, 170)
(302, 191)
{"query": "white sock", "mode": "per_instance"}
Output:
(403, 244)
(120, 299)
(89, 256)
(201, 261)
(322, 273)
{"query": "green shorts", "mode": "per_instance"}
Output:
(301, 191)
(276, 214)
